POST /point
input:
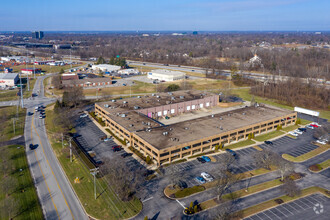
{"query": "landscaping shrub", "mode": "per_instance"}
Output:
(123, 142)
(188, 191)
(139, 154)
(315, 167)
(298, 121)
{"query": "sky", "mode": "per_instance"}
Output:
(164, 15)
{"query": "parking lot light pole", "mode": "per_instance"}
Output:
(94, 172)
(70, 139)
(248, 182)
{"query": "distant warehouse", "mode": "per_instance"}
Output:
(135, 120)
(166, 75)
(8, 79)
(106, 68)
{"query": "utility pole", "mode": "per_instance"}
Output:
(14, 125)
(62, 140)
(70, 59)
(21, 95)
(27, 75)
(70, 139)
(94, 172)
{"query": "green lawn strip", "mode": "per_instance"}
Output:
(8, 125)
(325, 164)
(241, 193)
(107, 205)
(45, 68)
(325, 114)
(240, 144)
(25, 195)
(304, 157)
(271, 203)
(304, 121)
(268, 135)
(192, 190)
(9, 95)
(201, 154)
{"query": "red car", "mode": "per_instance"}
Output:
(116, 148)
(315, 126)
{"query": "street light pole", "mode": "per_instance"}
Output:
(94, 172)
(70, 139)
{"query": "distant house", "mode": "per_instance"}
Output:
(69, 76)
(8, 79)
(254, 61)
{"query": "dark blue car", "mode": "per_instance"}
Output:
(231, 152)
(207, 159)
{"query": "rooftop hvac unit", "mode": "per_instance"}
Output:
(186, 128)
(136, 107)
(152, 94)
(181, 97)
(221, 128)
(131, 125)
(171, 129)
(243, 113)
(158, 96)
(165, 133)
(220, 118)
(212, 116)
(106, 105)
(149, 123)
(172, 98)
(123, 115)
(170, 93)
(125, 102)
(139, 97)
(113, 100)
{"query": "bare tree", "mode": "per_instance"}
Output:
(284, 167)
(265, 158)
(290, 187)
(56, 81)
(125, 181)
(225, 211)
(225, 182)
(73, 96)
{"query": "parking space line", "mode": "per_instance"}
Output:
(267, 214)
(263, 215)
(257, 217)
(304, 200)
(277, 208)
(292, 206)
(270, 210)
(315, 201)
(295, 202)
(302, 204)
(286, 209)
(323, 199)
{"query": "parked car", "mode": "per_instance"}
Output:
(200, 180)
(233, 153)
(83, 116)
(293, 134)
(269, 142)
(126, 155)
(30, 113)
(298, 131)
(207, 176)
(107, 139)
(309, 126)
(148, 172)
(302, 129)
(116, 148)
(182, 184)
(41, 117)
(314, 125)
(201, 160)
(206, 158)
(321, 142)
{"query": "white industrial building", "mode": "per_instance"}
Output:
(8, 79)
(18, 59)
(166, 75)
(106, 68)
(128, 72)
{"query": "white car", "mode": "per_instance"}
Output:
(83, 116)
(293, 134)
(298, 131)
(107, 139)
(207, 176)
(321, 142)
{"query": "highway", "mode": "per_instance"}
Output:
(57, 198)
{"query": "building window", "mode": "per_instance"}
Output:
(175, 151)
(159, 113)
(201, 105)
(188, 108)
(207, 104)
(164, 154)
(165, 112)
(193, 107)
(172, 111)
(197, 145)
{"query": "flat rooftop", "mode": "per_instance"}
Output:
(148, 101)
(168, 72)
(196, 129)
(8, 75)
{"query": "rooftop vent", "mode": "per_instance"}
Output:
(212, 116)
(106, 105)
(148, 129)
(165, 133)
(139, 97)
(158, 100)
(123, 115)
(172, 98)
(158, 96)
(221, 128)
(220, 118)
(171, 129)
(113, 100)
(152, 94)
(125, 102)
(181, 97)
(186, 128)
(136, 107)
(243, 113)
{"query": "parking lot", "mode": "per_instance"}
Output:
(90, 140)
(315, 206)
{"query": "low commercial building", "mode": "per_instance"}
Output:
(128, 72)
(8, 79)
(31, 71)
(106, 68)
(69, 76)
(135, 121)
(90, 82)
(166, 75)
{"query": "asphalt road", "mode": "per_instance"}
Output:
(57, 198)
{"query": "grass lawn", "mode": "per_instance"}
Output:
(245, 94)
(271, 203)
(239, 144)
(26, 204)
(8, 95)
(304, 157)
(107, 205)
(45, 68)
(325, 164)
(268, 135)
(290, 128)
(7, 126)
